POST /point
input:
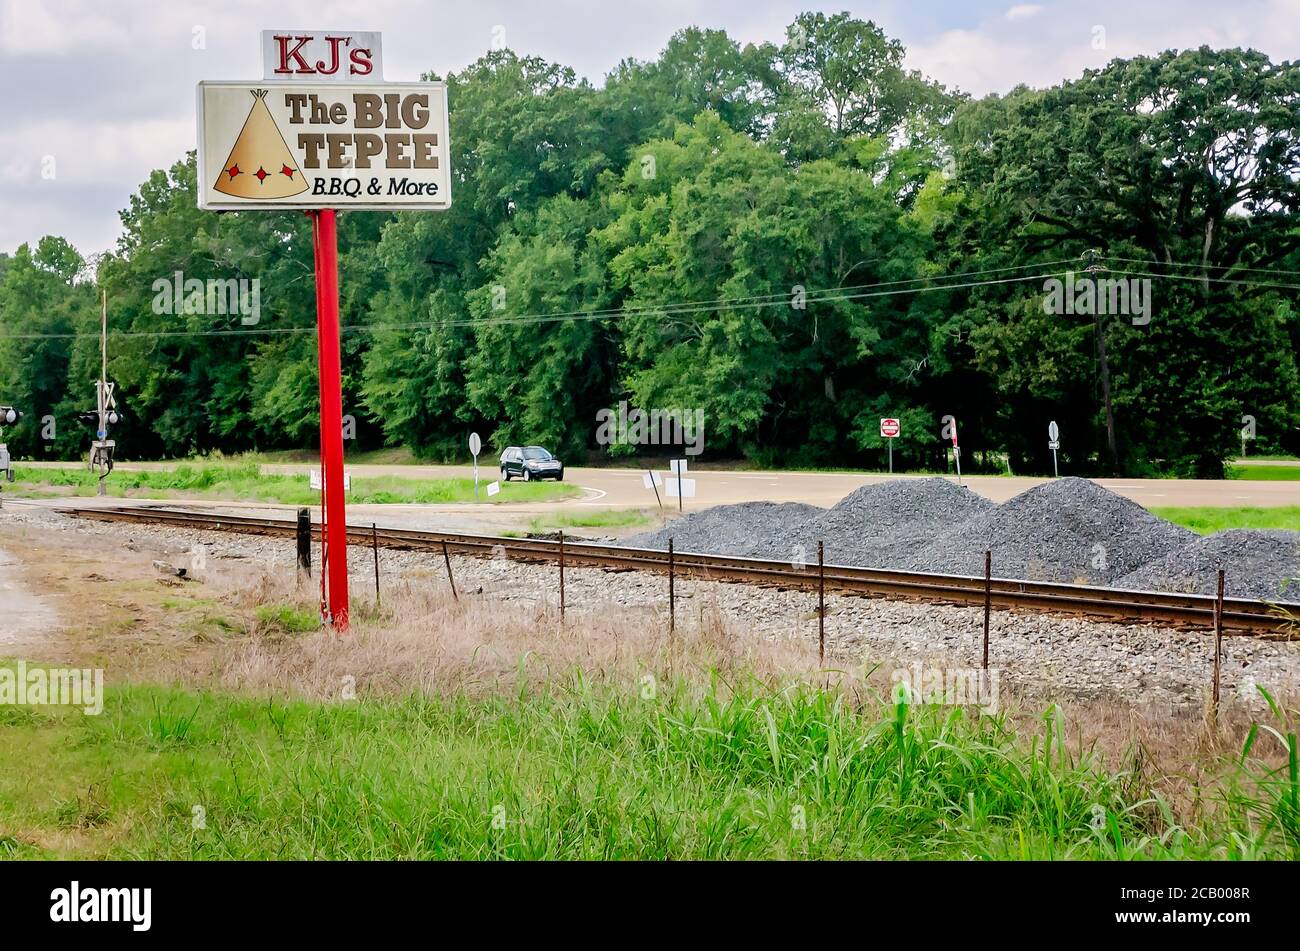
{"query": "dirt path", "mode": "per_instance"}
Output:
(27, 620)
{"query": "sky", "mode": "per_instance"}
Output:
(95, 94)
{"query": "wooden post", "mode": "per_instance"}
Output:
(1218, 643)
(672, 600)
(561, 576)
(821, 603)
(452, 581)
(374, 538)
(988, 601)
(304, 541)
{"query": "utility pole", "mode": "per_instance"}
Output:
(1103, 363)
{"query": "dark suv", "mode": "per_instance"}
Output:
(530, 463)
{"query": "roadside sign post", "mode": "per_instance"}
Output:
(889, 430)
(475, 446)
(322, 131)
(1054, 443)
(679, 470)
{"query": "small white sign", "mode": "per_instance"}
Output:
(678, 466)
(330, 55)
(651, 479)
(1053, 431)
(687, 488)
(1054, 444)
(316, 484)
(890, 428)
(475, 444)
(494, 488)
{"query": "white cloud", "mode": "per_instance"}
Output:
(1023, 11)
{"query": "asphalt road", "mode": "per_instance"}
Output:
(621, 488)
(624, 488)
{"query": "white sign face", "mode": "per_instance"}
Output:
(329, 55)
(268, 146)
(494, 488)
(475, 444)
(890, 428)
(1053, 431)
(314, 480)
(651, 479)
(687, 488)
(678, 466)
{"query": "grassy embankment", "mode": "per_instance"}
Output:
(585, 771)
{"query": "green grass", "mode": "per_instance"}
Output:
(598, 518)
(594, 772)
(247, 482)
(1264, 473)
(1205, 520)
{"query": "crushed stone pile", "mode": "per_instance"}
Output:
(770, 530)
(1068, 530)
(882, 524)
(1256, 563)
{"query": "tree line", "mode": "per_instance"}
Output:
(795, 238)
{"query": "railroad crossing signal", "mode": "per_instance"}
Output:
(8, 416)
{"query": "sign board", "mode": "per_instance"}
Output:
(678, 466)
(1053, 431)
(267, 146)
(315, 480)
(687, 488)
(475, 444)
(314, 55)
(890, 428)
(651, 479)
(494, 488)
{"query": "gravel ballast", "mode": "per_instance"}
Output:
(883, 524)
(1068, 530)
(1256, 563)
(1038, 654)
(770, 530)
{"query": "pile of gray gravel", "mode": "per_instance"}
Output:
(883, 524)
(1069, 530)
(770, 530)
(1256, 563)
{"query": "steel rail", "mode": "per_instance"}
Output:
(1240, 615)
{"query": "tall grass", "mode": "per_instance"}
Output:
(586, 771)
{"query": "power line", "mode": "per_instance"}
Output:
(669, 309)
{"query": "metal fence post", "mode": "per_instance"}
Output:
(988, 601)
(672, 599)
(450, 580)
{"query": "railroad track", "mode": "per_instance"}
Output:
(1241, 616)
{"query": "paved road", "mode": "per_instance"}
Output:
(621, 488)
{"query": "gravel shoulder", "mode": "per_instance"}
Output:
(1039, 655)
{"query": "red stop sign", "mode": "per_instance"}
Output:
(890, 428)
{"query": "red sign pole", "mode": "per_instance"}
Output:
(325, 235)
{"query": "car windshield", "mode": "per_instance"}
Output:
(534, 452)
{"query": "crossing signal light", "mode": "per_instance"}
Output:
(9, 415)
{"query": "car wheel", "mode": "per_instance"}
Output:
(528, 475)
(560, 476)
(505, 474)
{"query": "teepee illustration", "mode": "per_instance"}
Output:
(261, 164)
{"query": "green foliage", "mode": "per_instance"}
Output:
(753, 231)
